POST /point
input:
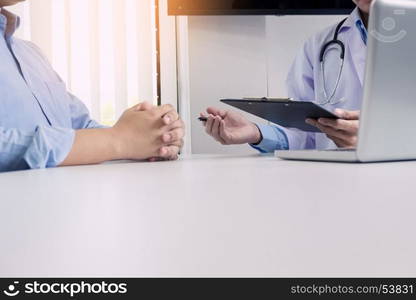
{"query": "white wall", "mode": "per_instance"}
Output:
(240, 56)
(227, 58)
(285, 37)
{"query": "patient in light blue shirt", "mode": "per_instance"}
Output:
(37, 115)
(42, 125)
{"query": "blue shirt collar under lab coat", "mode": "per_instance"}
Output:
(9, 22)
(355, 21)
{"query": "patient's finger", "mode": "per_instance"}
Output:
(170, 117)
(169, 152)
(174, 135)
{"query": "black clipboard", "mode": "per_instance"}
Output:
(284, 112)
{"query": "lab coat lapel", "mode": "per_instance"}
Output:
(357, 52)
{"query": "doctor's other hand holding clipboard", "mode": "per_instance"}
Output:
(344, 131)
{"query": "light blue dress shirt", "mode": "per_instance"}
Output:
(38, 117)
(305, 84)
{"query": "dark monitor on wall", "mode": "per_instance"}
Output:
(259, 7)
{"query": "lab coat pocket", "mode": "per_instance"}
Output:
(60, 102)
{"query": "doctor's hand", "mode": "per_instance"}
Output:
(344, 131)
(230, 128)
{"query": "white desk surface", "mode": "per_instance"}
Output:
(210, 216)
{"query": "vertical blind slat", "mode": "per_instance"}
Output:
(146, 50)
(41, 16)
(107, 68)
(120, 52)
(132, 52)
(59, 39)
(153, 34)
(80, 50)
(94, 16)
(68, 42)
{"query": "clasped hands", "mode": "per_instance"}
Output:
(149, 132)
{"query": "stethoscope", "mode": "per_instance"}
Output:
(330, 96)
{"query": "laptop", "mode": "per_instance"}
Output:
(388, 116)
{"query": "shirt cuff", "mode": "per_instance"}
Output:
(92, 124)
(50, 147)
(274, 139)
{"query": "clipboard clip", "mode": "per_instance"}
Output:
(266, 99)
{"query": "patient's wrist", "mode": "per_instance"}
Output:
(116, 143)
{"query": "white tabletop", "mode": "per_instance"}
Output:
(210, 216)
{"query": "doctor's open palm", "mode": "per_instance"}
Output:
(230, 128)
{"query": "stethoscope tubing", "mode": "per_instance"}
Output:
(335, 41)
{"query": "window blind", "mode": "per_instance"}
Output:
(105, 50)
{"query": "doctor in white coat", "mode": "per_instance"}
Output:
(341, 90)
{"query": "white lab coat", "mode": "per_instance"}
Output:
(304, 79)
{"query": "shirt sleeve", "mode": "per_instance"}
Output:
(300, 85)
(273, 138)
(80, 115)
(45, 147)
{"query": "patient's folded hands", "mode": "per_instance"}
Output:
(149, 132)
